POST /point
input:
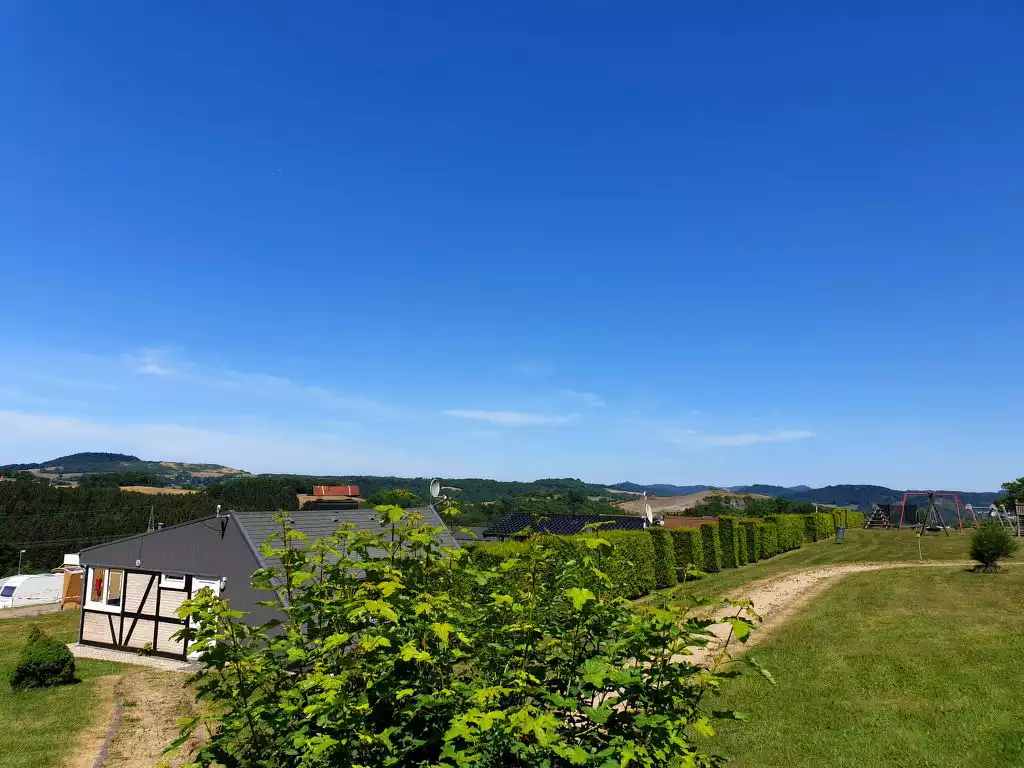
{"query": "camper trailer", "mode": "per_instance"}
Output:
(32, 589)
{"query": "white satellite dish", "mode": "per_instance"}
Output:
(435, 488)
(648, 513)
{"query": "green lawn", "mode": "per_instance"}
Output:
(39, 726)
(861, 546)
(910, 668)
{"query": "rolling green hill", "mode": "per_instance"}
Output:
(77, 465)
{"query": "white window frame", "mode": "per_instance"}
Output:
(172, 581)
(101, 605)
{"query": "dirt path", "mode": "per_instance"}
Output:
(778, 598)
(135, 734)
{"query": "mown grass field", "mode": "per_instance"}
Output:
(39, 726)
(861, 546)
(908, 668)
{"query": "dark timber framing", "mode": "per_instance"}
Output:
(118, 623)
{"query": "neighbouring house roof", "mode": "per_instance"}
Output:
(258, 526)
(471, 533)
(562, 525)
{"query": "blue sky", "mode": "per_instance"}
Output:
(666, 242)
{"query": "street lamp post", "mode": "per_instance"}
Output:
(20, 553)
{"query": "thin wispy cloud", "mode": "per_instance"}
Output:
(513, 418)
(753, 438)
(163, 363)
(695, 438)
(150, 362)
(587, 398)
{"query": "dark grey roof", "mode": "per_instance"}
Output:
(259, 526)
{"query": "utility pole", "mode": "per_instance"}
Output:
(20, 553)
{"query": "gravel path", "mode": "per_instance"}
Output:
(778, 598)
(107, 654)
(29, 610)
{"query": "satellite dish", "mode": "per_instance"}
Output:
(648, 513)
(435, 488)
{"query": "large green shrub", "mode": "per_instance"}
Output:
(689, 549)
(664, 557)
(712, 546)
(818, 526)
(848, 518)
(751, 532)
(991, 543)
(43, 662)
(378, 661)
(630, 565)
(730, 537)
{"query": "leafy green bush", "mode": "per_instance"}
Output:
(689, 549)
(664, 557)
(712, 546)
(750, 529)
(848, 518)
(818, 526)
(630, 565)
(43, 662)
(990, 543)
(790, 531)
(769, 539)
(378, 661)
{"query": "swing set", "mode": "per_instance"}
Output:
(932, 520)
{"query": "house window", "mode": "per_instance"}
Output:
(106, 586)
(172, 581)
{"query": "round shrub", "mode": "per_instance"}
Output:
(43, 662)
(990, 543)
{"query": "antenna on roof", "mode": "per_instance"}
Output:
(646, 513)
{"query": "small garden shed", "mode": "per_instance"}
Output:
(133, 587)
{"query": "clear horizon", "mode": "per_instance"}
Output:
(686, 244)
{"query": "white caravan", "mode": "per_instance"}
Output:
(19, 591)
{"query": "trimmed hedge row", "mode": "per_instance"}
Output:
(689, 549)
(751, 530)
(642, 561)
(790, 531)
(849, 518)
(818, 526)
(712, 545)
(730, 536)
(664, 557)
(769, 534)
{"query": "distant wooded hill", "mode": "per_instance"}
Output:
(840, 495)
(76, 465)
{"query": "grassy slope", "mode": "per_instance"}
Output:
(906, 668)
(861, 546)
(39, 726)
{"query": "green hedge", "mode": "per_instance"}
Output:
(732, 542)
(689, 549)
(850, 518)
(790, 531)
(712, 547)
(664, 557)
(751, 530)
(818, 526)
(769, 539)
